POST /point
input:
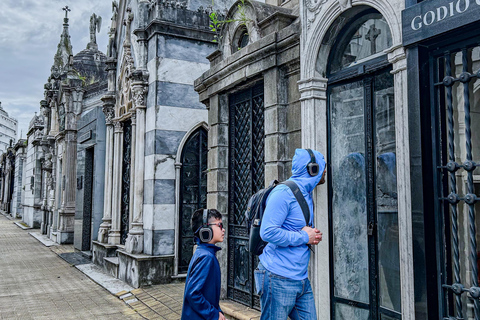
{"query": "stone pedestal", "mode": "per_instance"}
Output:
(100, 251)
(140, 269)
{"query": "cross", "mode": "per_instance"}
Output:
(372, 36)
(66, 9)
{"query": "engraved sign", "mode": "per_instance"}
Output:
(434, 17)
(85, 137)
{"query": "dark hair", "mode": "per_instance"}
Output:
(197, 219)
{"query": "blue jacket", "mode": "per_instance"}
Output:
(287, 253)
(202, 287)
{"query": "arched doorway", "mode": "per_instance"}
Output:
(363, 210)
(193, 191)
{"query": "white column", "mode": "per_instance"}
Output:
(397, 57)
(313, 101)
(178, 167)
(107, 204)
(134, 242)
(114, 234)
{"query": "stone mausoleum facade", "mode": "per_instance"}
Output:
(388, 91)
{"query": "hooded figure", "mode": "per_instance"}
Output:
(281, 278)
(287, 253)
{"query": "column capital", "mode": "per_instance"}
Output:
(139, 87)
(118, 126)
(398, 58)
(312, 88)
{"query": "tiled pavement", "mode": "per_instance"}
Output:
(74, 296)
(36, 284)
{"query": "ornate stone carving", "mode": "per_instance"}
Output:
(95, 24)
(345, 4)
(109, 113)
(134, 243)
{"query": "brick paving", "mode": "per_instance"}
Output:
(157, 302)
(36, 284)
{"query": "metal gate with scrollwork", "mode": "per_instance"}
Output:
(126, 167)
(247, 176)
(193, 192)
(456, 103)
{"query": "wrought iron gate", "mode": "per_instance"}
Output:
(456, 87)
(247, 176)
(127, 159)
(193, 192)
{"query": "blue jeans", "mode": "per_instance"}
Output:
(281, 297)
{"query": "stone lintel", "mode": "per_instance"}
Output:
(178, 30)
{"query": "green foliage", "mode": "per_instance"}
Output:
(216, 21)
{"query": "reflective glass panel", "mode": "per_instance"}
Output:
(349, 212)
(346, 312)
(363, 40)
(386, 193)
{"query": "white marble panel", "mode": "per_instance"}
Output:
(158, 166)
(179, 119)
(164, 167)
(150, 119)
(179, 71)
(148, 216)
(151, 67)
(163, 216)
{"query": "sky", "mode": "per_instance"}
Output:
(29, 34)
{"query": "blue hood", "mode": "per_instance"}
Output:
(299, 169)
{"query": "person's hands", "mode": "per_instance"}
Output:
(314, 235)
(221, 316)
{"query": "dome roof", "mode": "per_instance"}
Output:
(90, 63)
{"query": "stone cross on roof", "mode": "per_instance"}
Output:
(66, 9)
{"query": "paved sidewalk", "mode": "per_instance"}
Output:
(75, 296)
(36, 284)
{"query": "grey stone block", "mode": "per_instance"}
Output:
(150, 142)
(148, 191)
(184, 49)
(177, 95)
(167, 141)
(151, 95)
(164, 191)
(163, 242)
(148, 241)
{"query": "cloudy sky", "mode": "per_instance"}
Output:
(29, 34)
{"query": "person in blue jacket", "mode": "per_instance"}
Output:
(281, 278)
(202, 287)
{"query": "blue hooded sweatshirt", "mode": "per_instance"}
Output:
(202, 286)
(287, 253)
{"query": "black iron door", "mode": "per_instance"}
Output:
(126, 167)
(193, 192)
(455, 107)
(88, 199)
(247, 176)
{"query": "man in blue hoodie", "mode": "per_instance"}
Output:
(281, 277)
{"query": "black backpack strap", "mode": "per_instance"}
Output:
(300, 198)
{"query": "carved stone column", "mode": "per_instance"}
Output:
(313, 101)
(397, 57)
(114, 234)
(108, 110)
(134, 242)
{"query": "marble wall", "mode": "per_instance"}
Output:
(173, 109)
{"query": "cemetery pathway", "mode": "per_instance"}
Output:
(37, 284)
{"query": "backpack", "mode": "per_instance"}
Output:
(254, 213)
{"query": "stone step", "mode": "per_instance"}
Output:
(111, 266)
(237, 311)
